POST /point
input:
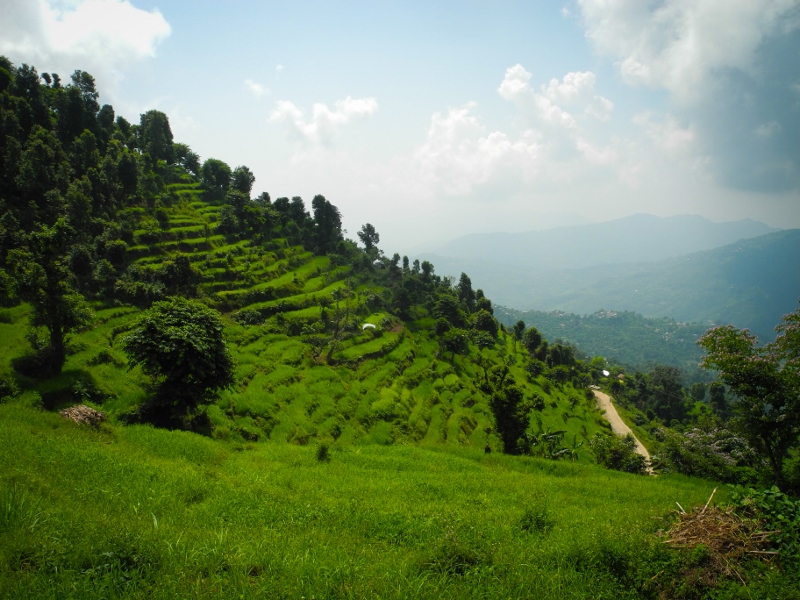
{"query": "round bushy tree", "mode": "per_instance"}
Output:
(180, 345)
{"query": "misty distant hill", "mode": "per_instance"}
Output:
(638, 238)
(750, 283)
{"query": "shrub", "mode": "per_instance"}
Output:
(779, 513)
(536, 520)
(617, 453)
(713, 452)
(8, 387)
(323, 453)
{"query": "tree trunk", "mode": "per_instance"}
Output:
(57, 356)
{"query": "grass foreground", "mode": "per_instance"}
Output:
(137, 512)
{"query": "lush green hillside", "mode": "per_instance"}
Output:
(623, 338)
(101, 219)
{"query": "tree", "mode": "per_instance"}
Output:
(531, 339)
(484, 321)
(455, 341)
(216, 176)
(179, 343)
(465, 292)
(511, 414)
(519, 329)
(327, 225)
(43, 278)
(242, 180)
(369, 237)
(448, 307)
(156, 136)
(187, 158)
(766, 381)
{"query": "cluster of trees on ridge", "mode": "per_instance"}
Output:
(81, 188)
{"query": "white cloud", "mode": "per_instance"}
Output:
(725, 67)
(99, 35)
(256, 88)
(678, 45)
(666, 132)
(458, 154)
(324, 122)
(766, 130)
(515, 84)
(576, 92)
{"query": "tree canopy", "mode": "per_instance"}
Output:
(766, 380)
(179, 344)
(368, 236)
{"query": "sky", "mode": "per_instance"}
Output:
(433, 120)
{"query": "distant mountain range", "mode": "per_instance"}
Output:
(686, 268)
(638, 238)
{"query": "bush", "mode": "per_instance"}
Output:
(712, 452)
(617, 453)
(323, 453)
(778, 513)
(8, 387)
(536, 520)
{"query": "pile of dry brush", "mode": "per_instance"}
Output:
(83, 414)
(728, 539)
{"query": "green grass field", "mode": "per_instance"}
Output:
(137, 512)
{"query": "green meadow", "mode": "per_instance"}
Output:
(138, 512)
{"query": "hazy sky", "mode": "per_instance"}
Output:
(435, 119)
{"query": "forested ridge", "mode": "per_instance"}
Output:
(208, 337)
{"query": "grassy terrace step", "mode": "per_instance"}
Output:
(367, 346)
(286, 305)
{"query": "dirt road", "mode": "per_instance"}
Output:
(618, 426)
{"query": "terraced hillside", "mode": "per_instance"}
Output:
(320, 348)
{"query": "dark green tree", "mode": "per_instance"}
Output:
(187, 158)
(43, 278)
(156, 136)
(465, 292)
(216, 177)
(179, 343)
(455, 341)
(368, 236)
(327, 225)
(532, 339)
(484, 321)
(482, 302)
(511, 414)
(668, 400)
(448, 307)
(242, 180)
(519, 329)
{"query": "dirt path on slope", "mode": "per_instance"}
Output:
(618, 426)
